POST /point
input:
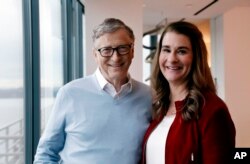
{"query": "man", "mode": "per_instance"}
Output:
(100, 119)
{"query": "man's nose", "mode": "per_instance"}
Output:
(115, 55)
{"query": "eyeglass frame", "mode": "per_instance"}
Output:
(115, 49)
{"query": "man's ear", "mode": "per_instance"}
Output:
(94, 53)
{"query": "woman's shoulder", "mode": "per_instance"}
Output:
(213, 100)
(213, 107)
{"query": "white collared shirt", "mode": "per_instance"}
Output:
(110, 89)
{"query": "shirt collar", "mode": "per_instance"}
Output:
(103, 82)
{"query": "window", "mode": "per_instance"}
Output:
(11, 83)
(53, 44)
(51, 55)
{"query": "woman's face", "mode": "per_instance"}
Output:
(176, 58)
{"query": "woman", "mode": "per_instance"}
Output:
(191, 123)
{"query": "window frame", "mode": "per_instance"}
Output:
(72, 63)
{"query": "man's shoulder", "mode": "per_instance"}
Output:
(80, 82)
(136, 82)
(141, 86)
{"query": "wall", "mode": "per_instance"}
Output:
(230, 65)
(217, 55)
(230, 53)
(129, 11)
(237, 66)
(204, 27)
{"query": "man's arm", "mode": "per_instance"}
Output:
(53, 138)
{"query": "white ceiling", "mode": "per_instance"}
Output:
(160, 11)
(156, 12)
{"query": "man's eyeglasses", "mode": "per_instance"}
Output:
(109, 51)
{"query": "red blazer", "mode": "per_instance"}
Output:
(208, 140)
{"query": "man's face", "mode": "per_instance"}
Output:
(115, 67)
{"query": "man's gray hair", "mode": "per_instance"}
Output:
(110, 25)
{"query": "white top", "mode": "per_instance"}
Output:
(155, 148)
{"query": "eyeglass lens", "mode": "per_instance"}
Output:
(121, 50)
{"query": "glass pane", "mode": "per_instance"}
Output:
(146, 64)
(11, 83)
(83, 42)
(51, 51)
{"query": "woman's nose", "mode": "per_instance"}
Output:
(172, 57)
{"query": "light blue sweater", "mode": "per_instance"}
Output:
(88, 126)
